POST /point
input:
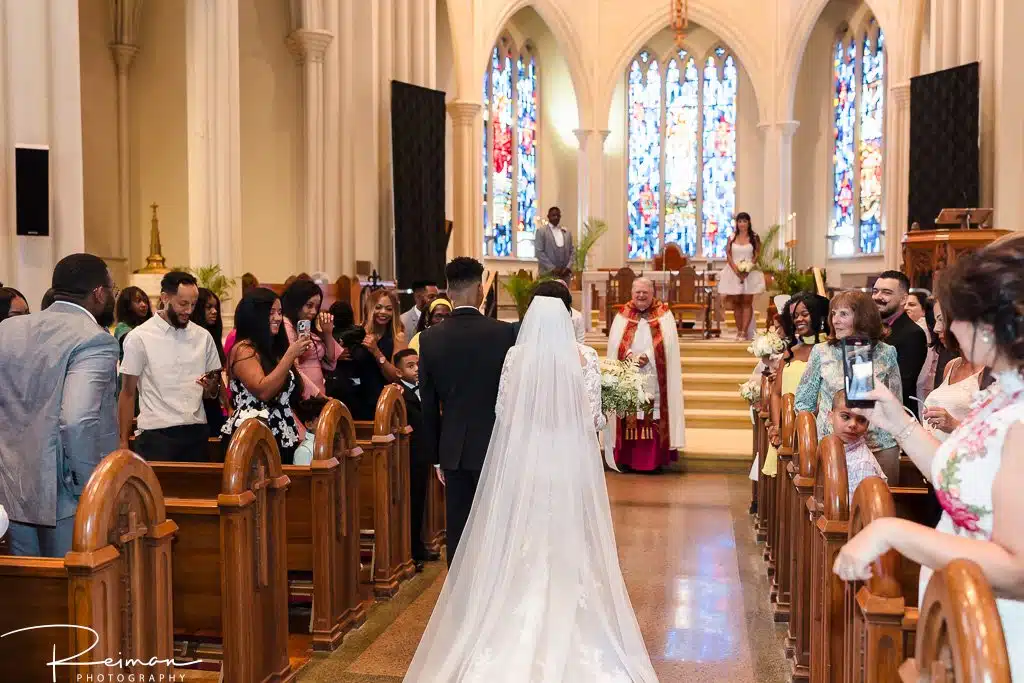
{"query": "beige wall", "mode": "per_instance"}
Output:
(271, 139)
(159, 144)
(99, 136)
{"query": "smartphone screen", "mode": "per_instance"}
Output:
(858, 371)
(304, 327)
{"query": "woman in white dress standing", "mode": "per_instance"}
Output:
(978, 471)
(737, 284)
(535, 593)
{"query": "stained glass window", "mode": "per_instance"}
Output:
(720, 84)
(643, 176)
(858, 117)
(510, 151)
(681, 122)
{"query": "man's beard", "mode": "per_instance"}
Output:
(106, 318)
(885, 312)
(175, 321)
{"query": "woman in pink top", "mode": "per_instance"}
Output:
(301, 301)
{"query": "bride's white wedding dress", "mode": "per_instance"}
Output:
(535, 593)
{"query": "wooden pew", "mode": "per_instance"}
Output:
(765, 516)
(230, 560)
(784, 408)
(435, 523)
(115, 580)
(831, 496)
(959, 635)
(322, 512)
(804, 513)
(384, 491)
(880, 620)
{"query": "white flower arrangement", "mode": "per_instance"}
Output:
(623, 388)
(750, 391)
(767, 344)
(746, 266)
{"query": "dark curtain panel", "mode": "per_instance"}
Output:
(944, 166)
(417, 160)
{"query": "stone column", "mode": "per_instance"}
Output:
(968, 46)
(309, 46)
(948, 11)
(431, 29)
(214, 170)
(384, 263)
(987, 57)
(467, 216)
(421, 33)
(897, 173)
(126, 15)
(402, 31)
(778, 175)
(334, 116)
(590, 176)
(347, 210)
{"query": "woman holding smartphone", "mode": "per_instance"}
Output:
(851, 315)
(301, 306)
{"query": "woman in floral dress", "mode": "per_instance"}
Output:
(977, 472)
(263, 381)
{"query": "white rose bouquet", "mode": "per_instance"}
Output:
(750, 391)
(767, 344)
(746, 266)
(623, 388)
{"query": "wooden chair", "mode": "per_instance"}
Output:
(690, 302)
(384, 492)
(959, 633)
(115, 581)
(230, 564)
(879, 622)
(804, 514)
(618, 291)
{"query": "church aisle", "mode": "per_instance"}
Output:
(694, 574)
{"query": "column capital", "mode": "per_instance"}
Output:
(463, 113)
(583, 133)
(123, 55)
(309, 44)
(900, 94)
(785, 128)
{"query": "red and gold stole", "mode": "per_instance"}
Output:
(653, 315)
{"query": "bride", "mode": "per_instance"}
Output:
(535, 593)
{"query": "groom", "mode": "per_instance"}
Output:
(460, 366)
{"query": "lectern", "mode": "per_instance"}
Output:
(925, 252)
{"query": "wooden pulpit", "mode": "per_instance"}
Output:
(925, 252)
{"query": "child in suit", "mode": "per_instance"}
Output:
(408, 364)
(851, 428)
(308, 412)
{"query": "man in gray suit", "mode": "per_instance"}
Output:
(58, 414)
(553, 247)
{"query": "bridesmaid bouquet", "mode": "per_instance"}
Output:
(766, 345)
(623, 388)
(746, 266)
(750, 391)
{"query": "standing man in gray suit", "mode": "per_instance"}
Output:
(58, 415)
(554, 248)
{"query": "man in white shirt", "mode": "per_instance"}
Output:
(423, 292)
(553, 246)
(172, 363)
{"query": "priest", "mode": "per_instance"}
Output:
(645, 330)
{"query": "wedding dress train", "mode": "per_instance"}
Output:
(535, 593)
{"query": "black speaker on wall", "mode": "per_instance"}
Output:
(32, 190)
(945, 170)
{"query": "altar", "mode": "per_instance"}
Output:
(926, 252)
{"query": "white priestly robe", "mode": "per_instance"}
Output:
(643, 343)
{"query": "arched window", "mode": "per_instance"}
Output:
(858, 115)
(510, 151)
(681, 126)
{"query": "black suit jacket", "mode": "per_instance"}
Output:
(414, 413)
(460, 367)
(911, 349)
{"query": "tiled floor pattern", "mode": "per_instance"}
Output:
(694, 575)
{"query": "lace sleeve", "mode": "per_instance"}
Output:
(503, 382)
(592, 382)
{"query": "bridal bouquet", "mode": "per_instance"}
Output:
(623, 388)
(750, 391)
(745, 266)
(767, 344)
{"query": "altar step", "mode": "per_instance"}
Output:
(724, 399)
(717, 418)
(718, 450)
(708, 363)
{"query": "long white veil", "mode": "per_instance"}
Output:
(535, 592)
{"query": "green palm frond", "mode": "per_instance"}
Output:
(593, 230)
(520, 288)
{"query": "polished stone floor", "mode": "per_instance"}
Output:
(694, 575)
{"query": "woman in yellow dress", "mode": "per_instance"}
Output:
(804, 321)
(439, 309)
